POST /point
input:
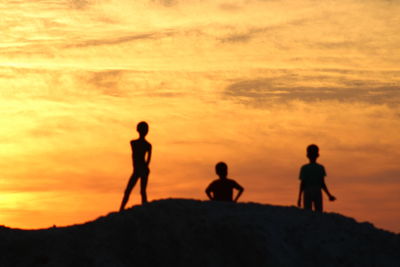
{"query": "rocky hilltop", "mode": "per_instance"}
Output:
(178, 232)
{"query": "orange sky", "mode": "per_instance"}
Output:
(251, 83)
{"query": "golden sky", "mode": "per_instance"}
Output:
(249, 82)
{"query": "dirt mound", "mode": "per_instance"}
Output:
(177, 232)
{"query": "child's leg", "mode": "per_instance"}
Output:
(129, 187)
(318, 201)
(307, 200)
(143, 185)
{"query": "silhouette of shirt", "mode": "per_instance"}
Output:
(222, 189)
(312, 175)
(139, 149)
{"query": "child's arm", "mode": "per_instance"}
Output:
(300, 194)
(325, 188)
(208, 193)
(240, 191)
(148, 156)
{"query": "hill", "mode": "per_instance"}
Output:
(178, 232)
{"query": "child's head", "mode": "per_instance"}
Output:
(221, 169)
(142, 128)
(312, 152)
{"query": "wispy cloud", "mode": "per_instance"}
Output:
(78, 4)
(107, 82)
(167, 3)
(119, 40)
(343, 89)
(253, 32)
(229, 7)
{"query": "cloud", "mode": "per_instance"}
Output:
(247, 35)
(238, 38)
(71, 85)
(119, 40)
(336, 45)
(388, 177)
(369, 148)
(167, 3)
(128, 83)
(38, 47)
(345, 89)
(107, 82)
(252, 32)
(111, 41)
(229, 7)
(78, 4)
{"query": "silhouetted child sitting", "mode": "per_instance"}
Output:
(222, 188)
(312, 178)
(141, 155)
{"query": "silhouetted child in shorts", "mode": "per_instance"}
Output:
(141, 155)
(222, 188)
(312, 177)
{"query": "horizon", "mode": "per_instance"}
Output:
(251, 83)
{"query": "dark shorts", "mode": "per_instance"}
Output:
(141, 171)
(313, 197)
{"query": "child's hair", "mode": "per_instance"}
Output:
(221, 168)
(312, 150)
(142, 127)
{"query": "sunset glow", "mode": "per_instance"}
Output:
(251, 83)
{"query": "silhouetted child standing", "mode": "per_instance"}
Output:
(312, 177)
(141, 155)
(222, 188)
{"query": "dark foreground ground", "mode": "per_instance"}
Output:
(178, 232)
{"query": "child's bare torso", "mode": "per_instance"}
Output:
(139, 149)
